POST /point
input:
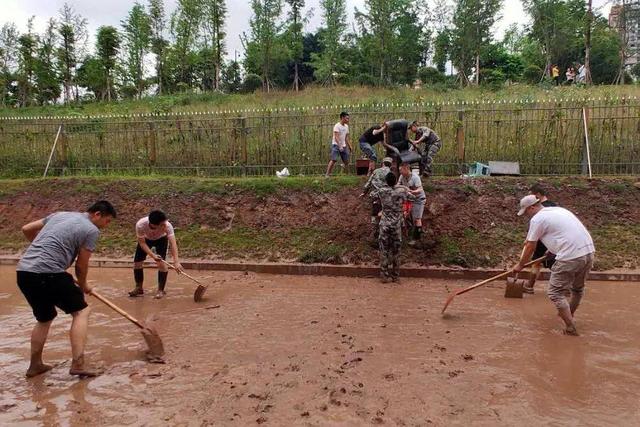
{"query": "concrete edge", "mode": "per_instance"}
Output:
(342, 270)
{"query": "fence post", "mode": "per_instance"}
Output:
(62, 144)
(460, 138)
(586, 155)
(153, 148)
(243, 142)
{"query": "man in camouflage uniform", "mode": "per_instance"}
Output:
(375, 182)
(390, 238)
(432, 144)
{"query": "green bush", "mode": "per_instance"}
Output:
(251, 83)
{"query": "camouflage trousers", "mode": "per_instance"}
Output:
(427, 158)
(389, 241)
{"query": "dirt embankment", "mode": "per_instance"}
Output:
(468, 223)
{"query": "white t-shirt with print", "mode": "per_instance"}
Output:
(561, 232)
(143, 229)
(343, 131)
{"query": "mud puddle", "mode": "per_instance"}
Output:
(289, 350)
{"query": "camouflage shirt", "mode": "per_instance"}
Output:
(392, 200)
(430, 137)
(376, 181)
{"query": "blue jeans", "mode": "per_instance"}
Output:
(368, 150)
(336, 153)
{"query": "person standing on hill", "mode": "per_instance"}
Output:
(432, 144)
(555, 74)
(376, 181)
(56, 242)
(368, 139)
(340, 145)
(154, 231)
(541, 194)
(564, 235)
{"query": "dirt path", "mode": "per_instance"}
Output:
(287, 350)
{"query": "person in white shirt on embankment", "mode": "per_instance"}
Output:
(340, 145)
(564, 235)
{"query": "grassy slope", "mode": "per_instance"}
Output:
(469, 224)
(321, 96)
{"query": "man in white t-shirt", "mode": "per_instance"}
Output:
(154, 231)
(340, 145)
(565, 236)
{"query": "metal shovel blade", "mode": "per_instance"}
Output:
(199, 293)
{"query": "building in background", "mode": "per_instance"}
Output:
(625, 17)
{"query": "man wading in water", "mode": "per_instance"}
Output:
(564, 235)
(56, 241)
(154, 231)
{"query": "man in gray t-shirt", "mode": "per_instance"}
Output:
(56, 242)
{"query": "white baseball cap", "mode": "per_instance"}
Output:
(526, 202)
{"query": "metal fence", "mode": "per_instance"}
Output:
(546, 138)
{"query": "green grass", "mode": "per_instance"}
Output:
(323, 96)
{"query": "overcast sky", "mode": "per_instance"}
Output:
(111, 12)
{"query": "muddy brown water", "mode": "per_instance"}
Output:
(291, 350)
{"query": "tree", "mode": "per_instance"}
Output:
(91, 75)
(295, 25)
(213, 16)
(8, 61)
(472, 23)
(47, 81)
(185, 23)
(605, 48)
(27, 45)
(628, 20)
(330, 61)
(158, 42)
(558, 26)
(232, 77)
(136, 30)
(264, 48)
(442, 48)
(107, 46)
(72, 29)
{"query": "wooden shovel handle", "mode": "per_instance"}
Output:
(117, 309)
(190, 277)
(499, 276)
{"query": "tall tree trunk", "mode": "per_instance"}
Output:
(587, 47)
(296, 77)
(477, 69)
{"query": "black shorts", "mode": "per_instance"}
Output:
(541, 249)
(160, 245)
(46, 291)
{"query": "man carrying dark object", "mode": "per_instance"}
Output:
(56, 241)
(414, 184)
(432, 144)
(154, 231)
(392, 198)
(541, 194)
(376, 181)
(368, 139)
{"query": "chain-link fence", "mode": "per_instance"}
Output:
(546, 138)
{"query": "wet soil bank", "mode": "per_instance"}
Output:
(311, 220)
(291, 350)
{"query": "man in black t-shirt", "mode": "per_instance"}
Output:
(541, 194)
(368, 139)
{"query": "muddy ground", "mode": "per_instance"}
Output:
(467, 223)
(287, 350)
